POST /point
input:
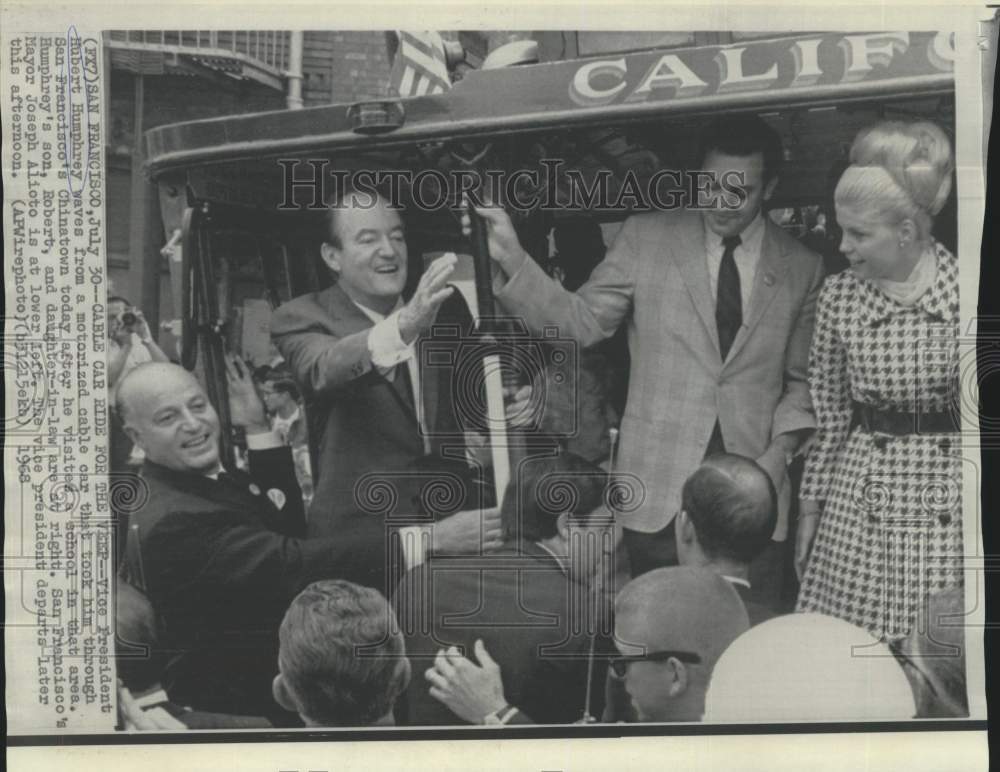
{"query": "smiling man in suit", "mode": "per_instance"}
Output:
(216, 551)
(719, 306)
(377, 413)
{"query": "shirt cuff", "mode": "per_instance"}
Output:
(416, 541)
(385, 345)
(264, 441)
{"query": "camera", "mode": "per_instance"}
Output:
(548, 363)
(127, 319)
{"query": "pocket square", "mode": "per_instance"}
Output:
(277, 497)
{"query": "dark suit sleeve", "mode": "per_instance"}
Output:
(321, 361)
(274, 468)
(234, 556)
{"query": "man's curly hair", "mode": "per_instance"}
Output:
(342, 655)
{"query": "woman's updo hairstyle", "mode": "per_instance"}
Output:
(900, 170)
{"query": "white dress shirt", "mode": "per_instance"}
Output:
(283, 426)
(746, 256)
(737, 580)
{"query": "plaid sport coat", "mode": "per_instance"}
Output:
(655, 280)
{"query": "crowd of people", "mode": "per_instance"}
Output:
(365, 571)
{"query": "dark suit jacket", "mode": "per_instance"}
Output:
(518, 601)
(220, 573)
(361, 425)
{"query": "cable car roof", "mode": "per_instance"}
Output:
(809, 70)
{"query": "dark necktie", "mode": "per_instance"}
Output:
(236, 481)
(728, 302)
(402, 383)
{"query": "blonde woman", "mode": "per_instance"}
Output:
(880, 517)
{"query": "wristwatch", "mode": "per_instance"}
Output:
(500, 716)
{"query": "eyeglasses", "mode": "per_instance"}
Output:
(619, 665)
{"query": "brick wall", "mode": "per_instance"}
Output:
(344, 67)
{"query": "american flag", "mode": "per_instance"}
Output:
(419, 67)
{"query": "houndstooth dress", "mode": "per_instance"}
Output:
(891, 528)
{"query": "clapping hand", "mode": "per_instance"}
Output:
(245, 406)
(419, 314)
(468, 690)
(470, 532)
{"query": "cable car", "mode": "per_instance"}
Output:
(246, 192)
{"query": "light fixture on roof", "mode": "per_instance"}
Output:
(454, 53)
(512, 54)
(377, 117)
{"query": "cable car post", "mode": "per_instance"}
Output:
(493, 373)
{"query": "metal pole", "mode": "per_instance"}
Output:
(294, 72)
(484, 272)
(493, 373)
(144, 252)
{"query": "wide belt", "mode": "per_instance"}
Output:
(898, 423)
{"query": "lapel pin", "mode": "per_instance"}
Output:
(277, 498)
(769, 278)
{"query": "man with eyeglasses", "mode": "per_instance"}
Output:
(671, 626)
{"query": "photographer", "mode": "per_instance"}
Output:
(131, 341)
(130, 344)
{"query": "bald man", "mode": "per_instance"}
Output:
(213, 548)
(671, 627)
(728, 512)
